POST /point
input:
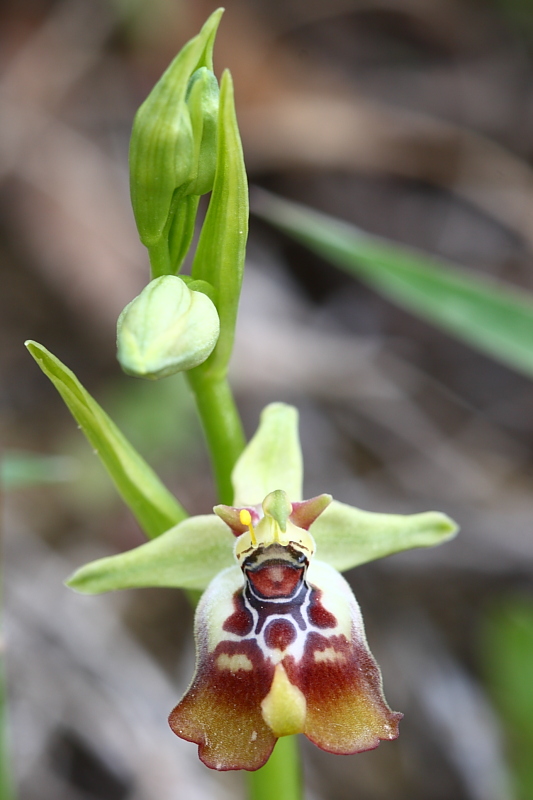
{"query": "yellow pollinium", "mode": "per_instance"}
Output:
(246, 519)
(284, 707)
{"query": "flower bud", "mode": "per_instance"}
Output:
(163, 147)
(202, 102)
(161, 153)
(168, 328)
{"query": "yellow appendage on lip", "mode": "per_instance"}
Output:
(284, 707)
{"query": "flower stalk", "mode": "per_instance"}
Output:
(280, 640)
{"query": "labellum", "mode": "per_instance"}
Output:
(281, 648)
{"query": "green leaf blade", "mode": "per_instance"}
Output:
(155, 508)
(347, 537)
(492, 316)
(187, 557)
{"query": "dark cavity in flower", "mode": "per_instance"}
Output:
(241, 621)
(319, 616)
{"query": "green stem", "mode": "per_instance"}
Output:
(159, 253)
(222, 427)
(280, 778)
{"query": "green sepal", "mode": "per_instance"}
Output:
(219, 258)
(162, 142)
(155, 508)
(272, 460)
(346, 536)
(188, 557)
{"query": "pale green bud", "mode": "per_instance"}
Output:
(168, 328)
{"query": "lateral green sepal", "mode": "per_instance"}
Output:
(346, 536)
(187, 556)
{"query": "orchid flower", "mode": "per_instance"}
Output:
(280, 641)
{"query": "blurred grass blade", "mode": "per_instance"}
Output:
(155, 508)
(507, 660)
(19, 470)
(6, 783)
(494, 317)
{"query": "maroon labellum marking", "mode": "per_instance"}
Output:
(275, 579)
(319, 616)
(346, 710)
(241, 621)
(279, 634)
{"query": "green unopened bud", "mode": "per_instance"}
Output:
(168, 328)
(163, 148)
(161, 153)
(202, 101)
